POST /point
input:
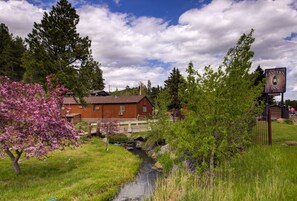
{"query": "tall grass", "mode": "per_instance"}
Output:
(262, 173)
(86, 173)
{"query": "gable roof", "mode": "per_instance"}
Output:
(106, 99)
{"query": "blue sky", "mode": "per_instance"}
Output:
(169, 10)
(140, 40)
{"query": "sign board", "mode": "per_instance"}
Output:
(273, 94)
(275, 80)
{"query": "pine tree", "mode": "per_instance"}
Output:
(11, 51)
(55, 48)
(172, 85)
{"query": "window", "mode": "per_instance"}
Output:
(144, 109)
(96, 107)
(122, 110)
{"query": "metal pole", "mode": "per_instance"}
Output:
(282, 106)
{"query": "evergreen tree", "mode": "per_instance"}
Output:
(155, 94)
(172, 86)
(55, 48)
(260, 78)
(11, 51)
(97, 81)
(149, 88)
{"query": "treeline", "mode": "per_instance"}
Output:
(143, 89)
(53, 48)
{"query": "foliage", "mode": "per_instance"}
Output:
(220, 110)
(151, 92)
(11, 51)
(172, 87)
(166, 162)
(86, 173)
(291, 103)
(56, 48)
(261, 173)
(260, 78)
(30, 121)
(289, 121)
(108, 128)
(118, 138)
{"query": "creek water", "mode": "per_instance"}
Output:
(143, 185)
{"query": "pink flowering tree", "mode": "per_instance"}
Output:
(30, 121)
(108, 128)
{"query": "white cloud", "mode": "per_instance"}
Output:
(123, 43)
(19, 16)
(117, 1)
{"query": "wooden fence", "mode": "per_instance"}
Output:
(123, 127)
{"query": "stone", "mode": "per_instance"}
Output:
(280, 120)
(157, 166)
(291, 143)
(164, 149)
(138, 144)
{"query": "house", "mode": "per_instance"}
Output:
(119, 108)
(277, 112)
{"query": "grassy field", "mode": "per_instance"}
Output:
(86, 173)
(266, 173)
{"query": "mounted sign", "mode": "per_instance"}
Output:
(275, 80)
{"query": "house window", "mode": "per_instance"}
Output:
(122, 110)
(96, 107)
(144, 109)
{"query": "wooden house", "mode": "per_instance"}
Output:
(109, 107)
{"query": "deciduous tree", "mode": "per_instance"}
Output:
(31, 122)
(220, 112)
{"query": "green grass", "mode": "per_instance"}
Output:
(263, 172)
(86, 173)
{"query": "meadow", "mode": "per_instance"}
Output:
(263, 172)
(86, 173)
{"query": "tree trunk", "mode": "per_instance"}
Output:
(16, 167)
(15, 160)
(211, 167)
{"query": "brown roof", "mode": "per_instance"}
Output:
(106, 99)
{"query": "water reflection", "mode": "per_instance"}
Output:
(143, 186)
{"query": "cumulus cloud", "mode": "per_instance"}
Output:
(19, 16)
(123, 43)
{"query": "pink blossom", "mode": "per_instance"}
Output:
(30, 120)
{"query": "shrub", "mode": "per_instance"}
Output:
(118, 138)
(166, 162)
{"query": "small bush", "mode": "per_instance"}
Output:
(166, 162)
(288, 121)
(118, 138)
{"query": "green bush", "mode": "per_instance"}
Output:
(166, 162)
(288, 121)
(118, 138)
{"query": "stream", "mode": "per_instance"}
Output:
(143, 185)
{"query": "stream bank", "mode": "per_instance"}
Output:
(143, 185)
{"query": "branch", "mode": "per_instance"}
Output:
(12, 157)
(19, 153)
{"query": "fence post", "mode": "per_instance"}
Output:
(90, 130)
(269, 127)
(98, 130)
